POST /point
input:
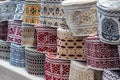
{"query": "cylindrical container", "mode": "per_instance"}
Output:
(52, 14)
(19, 11)
(4, 49)
(3, 30)
(31, 13)
(7, 10)
(17, 55)
(111, 75)
(81, 16)
(69, 46)
(109, 21)
(34, 61)
(79, 71)
(28, 35)
(56, 69)
(14, 31)
(46, 39)
(100, 55)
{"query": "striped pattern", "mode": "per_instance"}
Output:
(101, 55)
(69, 46)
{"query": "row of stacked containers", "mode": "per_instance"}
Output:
(62, 39)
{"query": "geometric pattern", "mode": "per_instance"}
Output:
(46, 39)
(56, 69)
(79, 71)
(31, 14)
(6, 17)
(8, 7)
(17, 55)
(52, 14)
(101, 55)
(3, 30)
(34, 61)
(19, 11)
(69, 46)
(14, 31)
(4, 49)
(28, 35)
(81, 20)
(111, 75)
(7, 10)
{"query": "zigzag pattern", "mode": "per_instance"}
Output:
(112, 75)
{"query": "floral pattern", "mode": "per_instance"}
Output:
(46, 39)
(56, 69)
(110, 30)
(14, 31)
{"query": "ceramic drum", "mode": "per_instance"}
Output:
(4, 49)
(52, 14)
(17, 55)
(3, 30)
(101, 55)
(28, 35)
(69, 46)
(79, 71)
(81, 16)
(34, 61)
(111, 75)
(14, 31)
(46, 39)
(56, 69)
(31, 14)
(109, 21)
(19, 11)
